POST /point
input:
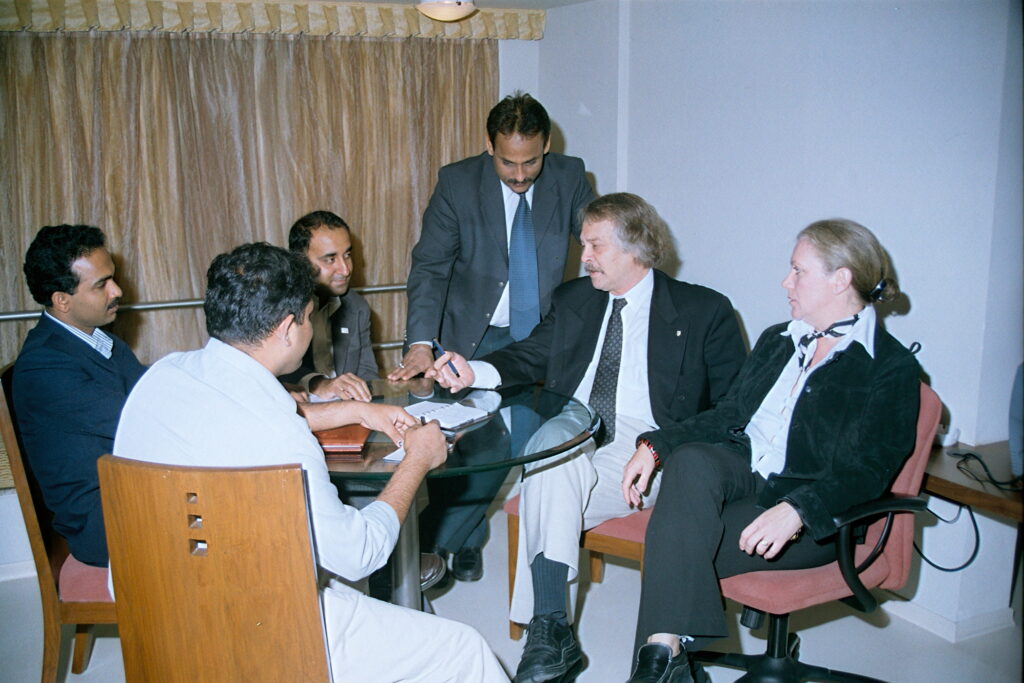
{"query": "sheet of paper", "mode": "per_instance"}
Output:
(396, 455)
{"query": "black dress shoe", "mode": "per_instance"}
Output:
(432, 570)
(655, 664)
(468, 564)
(551, 651)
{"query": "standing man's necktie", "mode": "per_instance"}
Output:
(606, 379)
(524, 296)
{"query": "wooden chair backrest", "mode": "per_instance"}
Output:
(49, 549)
(214, 572)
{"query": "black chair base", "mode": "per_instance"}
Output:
(780, 663)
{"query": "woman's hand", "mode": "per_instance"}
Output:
(771, 531)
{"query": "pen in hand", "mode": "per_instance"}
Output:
(441, 351)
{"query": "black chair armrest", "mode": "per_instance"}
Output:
(862, 599)
(878, 506)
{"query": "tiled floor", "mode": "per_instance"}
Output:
(876, 645)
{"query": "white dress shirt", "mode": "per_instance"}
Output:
(632, 393)
(768, 429)
(99, 340)
(219, 407)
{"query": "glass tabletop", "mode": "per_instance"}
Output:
(523, 424)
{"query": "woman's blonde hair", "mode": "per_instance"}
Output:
(843, 243)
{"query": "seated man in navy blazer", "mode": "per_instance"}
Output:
(340, 360)
(71, 380)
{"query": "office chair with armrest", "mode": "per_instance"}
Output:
(882, 561)
(71, 592)
(214, 572)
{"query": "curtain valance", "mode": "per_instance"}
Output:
(267, 16)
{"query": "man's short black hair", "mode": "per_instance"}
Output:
(518, 113)
(49, 258)
(302, 230)
(251, 289)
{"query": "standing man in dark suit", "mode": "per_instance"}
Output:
(340, 360)
(71, 380)
(492, 249)
(641, 349)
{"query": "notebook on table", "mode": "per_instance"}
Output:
(343, 443)
(450, 416)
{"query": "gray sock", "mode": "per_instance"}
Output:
(550, 580)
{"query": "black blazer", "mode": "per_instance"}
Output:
(460, 264)
(852, 427)
(68, 400)
(694, 348)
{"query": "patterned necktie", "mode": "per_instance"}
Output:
(836, 329)
(606, 379)
(524, 297)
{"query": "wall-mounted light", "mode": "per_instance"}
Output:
(447, 10)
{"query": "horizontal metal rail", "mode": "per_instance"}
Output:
(196, 303)
(187, 303)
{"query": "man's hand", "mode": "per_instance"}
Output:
(425, 449)
(425, 444)
(391, 420)
(347, 386)
(636, 476)
(771, 531)
(444, 376)
(418, 359)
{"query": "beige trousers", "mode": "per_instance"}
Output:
(562, 497)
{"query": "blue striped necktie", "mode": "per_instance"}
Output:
(524, 297)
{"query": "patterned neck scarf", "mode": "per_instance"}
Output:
(837, 329)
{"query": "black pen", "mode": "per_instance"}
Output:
(441, 351)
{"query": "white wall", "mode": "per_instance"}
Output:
(742, 122)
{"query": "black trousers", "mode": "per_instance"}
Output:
(457, 515)
(708, 496)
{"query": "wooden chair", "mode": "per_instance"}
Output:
(70, 592)
(214, 572)
(882, 561)
(622, 537)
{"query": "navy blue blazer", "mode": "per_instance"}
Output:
(67, 401)
(694, 347)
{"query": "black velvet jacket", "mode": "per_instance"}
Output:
(852, 428)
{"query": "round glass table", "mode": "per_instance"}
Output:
(504, 439)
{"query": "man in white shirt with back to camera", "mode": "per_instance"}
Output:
(223, 406)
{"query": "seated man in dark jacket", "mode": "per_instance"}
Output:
(71, 380)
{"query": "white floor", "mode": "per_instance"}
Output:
(876, 645)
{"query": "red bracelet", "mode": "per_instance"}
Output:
(650, 446)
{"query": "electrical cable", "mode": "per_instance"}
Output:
(964, 465)
(977, 541)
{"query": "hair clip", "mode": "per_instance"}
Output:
(876, 293)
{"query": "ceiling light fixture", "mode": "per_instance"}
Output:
(447, 10)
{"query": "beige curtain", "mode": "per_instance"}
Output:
(183, 146)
